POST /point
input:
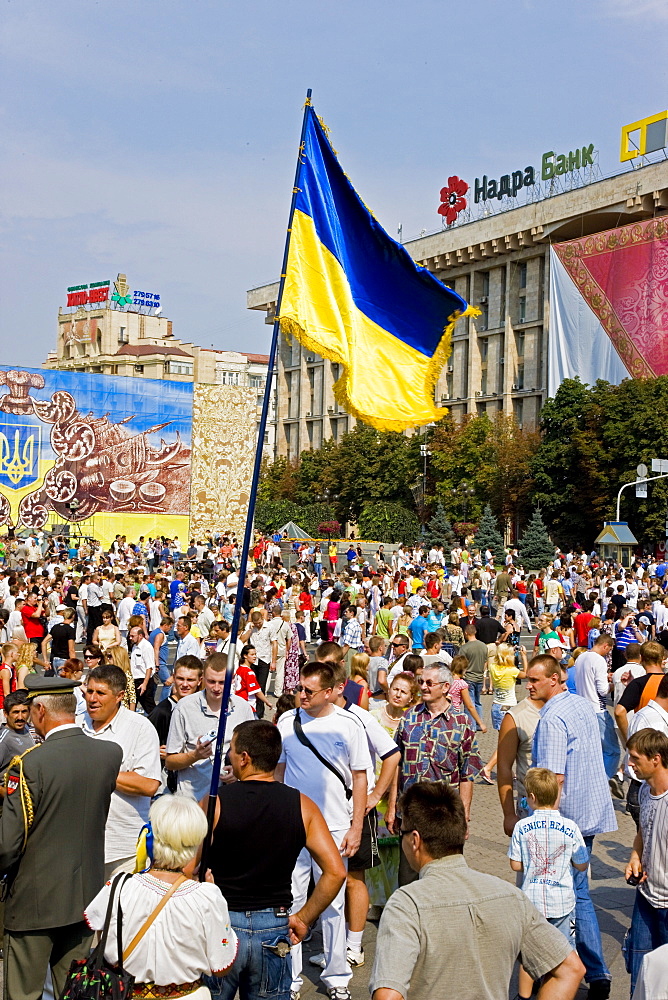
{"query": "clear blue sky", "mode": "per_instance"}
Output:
(158, 137)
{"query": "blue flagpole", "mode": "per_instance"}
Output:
(248, 533)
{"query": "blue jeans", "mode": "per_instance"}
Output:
(649, 929)
(260, 969)
(587, 932)
(475, 690)
(609, 743)
(165, 671)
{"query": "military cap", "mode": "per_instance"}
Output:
(37, 685)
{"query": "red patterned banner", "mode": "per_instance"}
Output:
(623, 276)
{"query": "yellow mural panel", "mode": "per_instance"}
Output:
(223, 449)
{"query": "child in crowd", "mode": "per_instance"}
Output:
(378, 667)
(459, 691)
(546, 847)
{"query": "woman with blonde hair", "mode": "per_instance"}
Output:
(120, 657)
(359, 666)
(166, 962)
(503, 674)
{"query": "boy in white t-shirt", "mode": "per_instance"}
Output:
(547, 847)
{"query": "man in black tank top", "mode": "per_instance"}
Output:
(260, 828)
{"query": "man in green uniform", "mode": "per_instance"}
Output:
(52, 840)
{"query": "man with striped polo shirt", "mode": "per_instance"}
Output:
(648, 755)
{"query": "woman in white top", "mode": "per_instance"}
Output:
(191, 936)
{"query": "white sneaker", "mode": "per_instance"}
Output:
(318, 959)
(355, 958)
(295, 995)
(339, 993)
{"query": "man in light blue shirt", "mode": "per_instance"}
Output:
(567, 742)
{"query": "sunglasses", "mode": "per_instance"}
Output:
(86, 657)
(398, 645)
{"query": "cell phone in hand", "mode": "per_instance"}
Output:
(634, 879)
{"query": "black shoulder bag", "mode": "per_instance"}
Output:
(303, 738)
(93, 978)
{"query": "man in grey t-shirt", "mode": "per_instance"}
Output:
(475, 652)
(495, 921)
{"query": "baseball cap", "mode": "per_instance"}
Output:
(555, 644)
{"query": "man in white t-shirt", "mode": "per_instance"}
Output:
(125, 606)
(142, 666)
(340, 738)
(139, 777)
(592, 684)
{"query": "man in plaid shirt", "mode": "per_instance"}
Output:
(437, 744)
(351, 635)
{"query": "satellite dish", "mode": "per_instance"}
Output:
(641, 470)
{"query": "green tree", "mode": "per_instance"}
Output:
(438, 530)
(571, 478)
(462, 453)
(272, 514)
(536, 548)
(278, 480)
(370, 465)
(381, 521)
(488, 535)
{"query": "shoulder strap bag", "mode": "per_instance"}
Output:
(303, 739)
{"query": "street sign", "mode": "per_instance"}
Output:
(659, 465)
(642, 471)
(641, 489)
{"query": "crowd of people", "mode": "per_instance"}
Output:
(351, 753)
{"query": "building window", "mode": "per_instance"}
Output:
(522, 315)
(256, 381)
(520, 375)
(139, 369)
(519, 338)
(519, 412)
(485, 282)
(123, 337)
(523, 274)
(179, 368)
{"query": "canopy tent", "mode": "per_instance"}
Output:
(293, 531)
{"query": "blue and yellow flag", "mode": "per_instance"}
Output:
(355, 296)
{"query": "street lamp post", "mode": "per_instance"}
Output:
(463, 492)
(425, 453)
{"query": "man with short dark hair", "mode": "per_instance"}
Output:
(496, 923)
(487, 629)
(253, 872)
(399, 644)
(15, 736)
(194, 726)
(187, 679)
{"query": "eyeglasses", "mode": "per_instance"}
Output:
(87, 657)
(405, 832)
(398, 645)
(431, 684)
(309, 692)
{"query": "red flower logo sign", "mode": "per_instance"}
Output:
(452, 199)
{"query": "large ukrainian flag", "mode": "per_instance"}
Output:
(354, 295)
